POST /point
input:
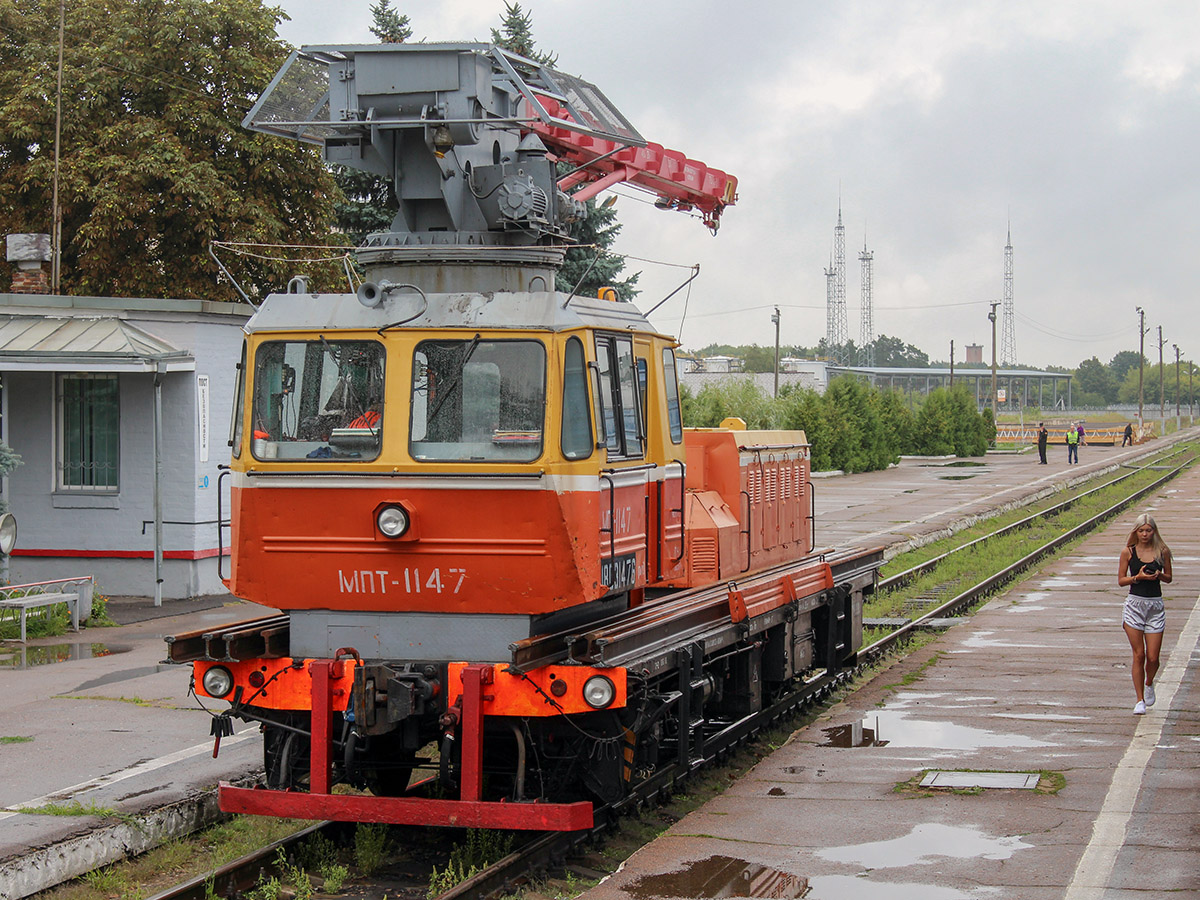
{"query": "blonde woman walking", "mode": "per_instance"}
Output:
(1144, 568)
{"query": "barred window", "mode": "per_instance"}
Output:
(89, 418)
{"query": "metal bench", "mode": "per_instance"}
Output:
(38, 600)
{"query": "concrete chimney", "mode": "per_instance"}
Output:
(28, 253)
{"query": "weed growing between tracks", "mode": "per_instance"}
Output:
(481, 849)
(175, 861)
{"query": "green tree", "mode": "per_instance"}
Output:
(154, 162)
(388, 25)
(758, 359)
(935, 429)
(516, 35)
(805, 410)
(590, 265)
(897, 420)
(1094, 378)
(1122, 363)
(891, 351)
(733, 397)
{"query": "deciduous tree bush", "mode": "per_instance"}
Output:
(852, 426)
(154, 162)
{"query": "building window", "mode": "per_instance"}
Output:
(89, 419)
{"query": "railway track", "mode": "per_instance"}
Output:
(547, 850)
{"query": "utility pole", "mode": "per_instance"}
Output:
(1162, 406)
(1176, 346)
(952, 365)
(55, 210)
(775, 319)
(1141, 359)
(992, 319)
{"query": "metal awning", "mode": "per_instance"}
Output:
(85, 344)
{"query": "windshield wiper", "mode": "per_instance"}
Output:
(458, 379)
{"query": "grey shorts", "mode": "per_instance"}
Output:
(1145, 614)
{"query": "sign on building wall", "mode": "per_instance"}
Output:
(202, 414)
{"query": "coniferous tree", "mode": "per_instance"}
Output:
(595, 234)
(598, 230)
(388, 24)
(370, 201)
(515, 35)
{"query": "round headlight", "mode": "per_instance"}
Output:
(217, 681)
(599, 692)
(392, 521)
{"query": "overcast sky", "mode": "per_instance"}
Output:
(937, 123)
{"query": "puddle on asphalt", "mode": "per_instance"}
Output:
(853, 735)
(958, 464)
(954, 477)
(890, 727)
(923, 845)
(720, 876)
(48, 654)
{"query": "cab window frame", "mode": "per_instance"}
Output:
(617, 371)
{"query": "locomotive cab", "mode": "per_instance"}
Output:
(391, 480)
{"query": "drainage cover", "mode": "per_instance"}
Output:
(1019, 780)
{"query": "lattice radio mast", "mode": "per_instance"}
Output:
(1008, 341)
(836, 335)
(867, 327)
(830, 307)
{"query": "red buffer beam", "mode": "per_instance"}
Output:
(679, 182)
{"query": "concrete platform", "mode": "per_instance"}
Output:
(109, 726)
(113, 727)
(1036, 681)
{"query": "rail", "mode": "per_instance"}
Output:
(977, 591)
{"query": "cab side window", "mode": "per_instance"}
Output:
(619, 394)
(671, 383)
(577, 440)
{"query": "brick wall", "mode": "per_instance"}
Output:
(30, 281)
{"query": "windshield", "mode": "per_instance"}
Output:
(478, 400)
(318, 400)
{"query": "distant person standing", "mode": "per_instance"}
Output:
(1081, 434)
(1072, 445)
(1043, 437)
(1127, 440)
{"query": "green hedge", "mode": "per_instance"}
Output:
(853, 427)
